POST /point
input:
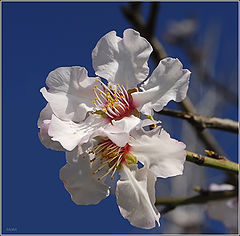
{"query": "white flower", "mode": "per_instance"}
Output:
(85, 178)
(225, 210)
(78, 105)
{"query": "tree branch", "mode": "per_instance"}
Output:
(152, 19)
(203, 122)
(204, 197)
(216, 162)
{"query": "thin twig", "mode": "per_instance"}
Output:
(207, 196)
(158, 54)
(203, 122)
(220, 162)
(152, 19)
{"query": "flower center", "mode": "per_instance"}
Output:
(115, 103)
(111, 157)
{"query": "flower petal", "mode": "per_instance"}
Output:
(135, 195)
(45, 114)
(126, 124)
(70, 92)
(43, 123)
(46, 139)
(122, 61)
(70, 134)
(118, 131)
(160, 153)
(80, 182)
(169, 81)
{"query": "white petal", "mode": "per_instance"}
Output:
(80, 182)
(136, 197)
(45, 114)
(46, 139)
(169, 81)
(70, 134)
(118, 131)
(122, 128)
(126, 124)
(43, 123)
(70, 92)
(122, 61)
(163, 155)
(117, 136)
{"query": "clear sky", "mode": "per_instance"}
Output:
(36, 39)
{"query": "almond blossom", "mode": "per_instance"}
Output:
(80, 106)
(87, 169)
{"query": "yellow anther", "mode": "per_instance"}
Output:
(93, 89)
(94, 101)
(99, 93)
(110, 86)
(104, 110)
(118, 85)
(119, 91)
(95, 86)
(130, 159)
(97, 79)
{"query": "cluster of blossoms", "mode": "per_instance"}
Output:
(96, 121)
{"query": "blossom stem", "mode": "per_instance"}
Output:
(204, 197)
(217, 162)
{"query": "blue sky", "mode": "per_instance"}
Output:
(39, 37)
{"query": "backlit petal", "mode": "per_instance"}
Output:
(80, 182)
(122, 60)
(71, 134)
(70, 92)
(135, 195)
(43, 123)
(169, 81)
(160, 153)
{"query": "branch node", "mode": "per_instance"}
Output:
(214, 155)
